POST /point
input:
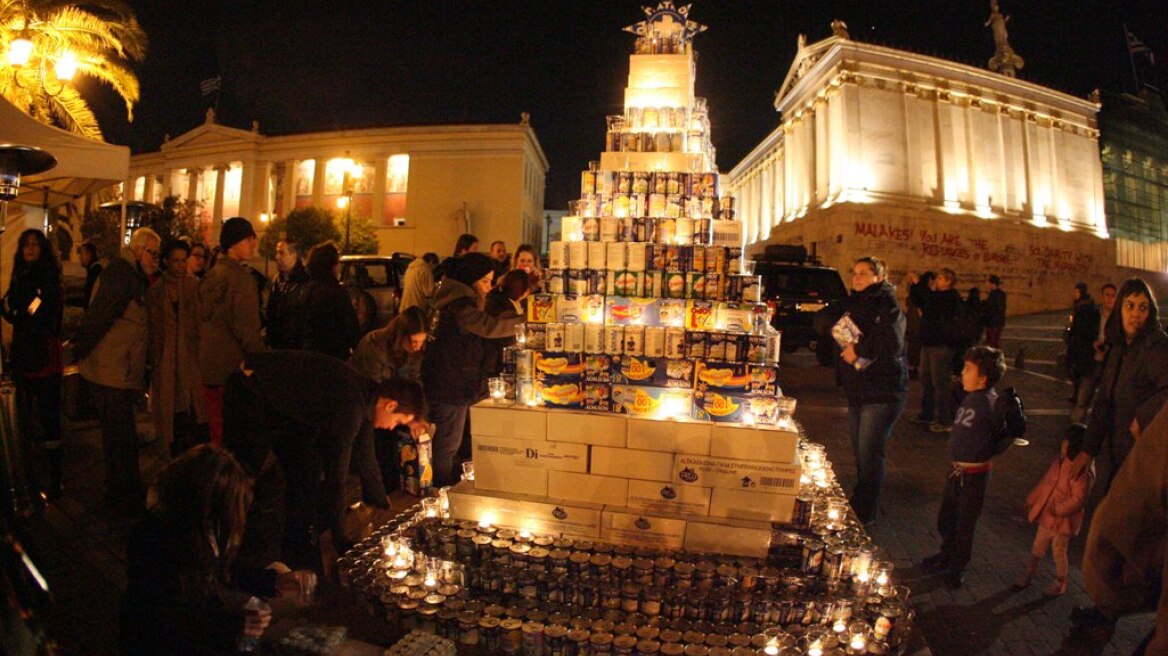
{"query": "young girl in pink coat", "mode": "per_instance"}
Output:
(1056, 505)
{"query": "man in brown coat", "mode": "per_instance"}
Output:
(110, 349)
(229, 306)
(1124, 566)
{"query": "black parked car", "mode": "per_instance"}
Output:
(797, 287)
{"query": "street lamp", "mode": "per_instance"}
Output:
(352, 172)
(22, 56)
(15, 161)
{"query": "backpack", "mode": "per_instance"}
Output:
(1009, 419)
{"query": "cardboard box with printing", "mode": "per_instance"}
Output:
(518, 422)
(587, 428)
(558, 456)
(619, 527)
(519, 512)
(760, 476)
(668, 435)
(588, 488)
(630, 463)
(654, 496)
(754, 443)
(491, 475)
(750, 539)
(744, 504)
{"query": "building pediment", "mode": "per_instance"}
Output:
(805, 58)
(212, 136)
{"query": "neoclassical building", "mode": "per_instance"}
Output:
(929, 163)
(421, 186)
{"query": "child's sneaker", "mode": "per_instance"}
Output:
(1058, 588)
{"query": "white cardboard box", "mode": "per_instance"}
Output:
(587, 428)
(633, 529)
(754, 444)
(631, 463)
(655, 496)
(673, 436)
(516, 422)
(760, 476)
(518, 512)
(751, 539)
(505, 452)
(743, 504)
(491, 475)
(589, 488)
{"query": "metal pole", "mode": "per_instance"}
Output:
(348, 218)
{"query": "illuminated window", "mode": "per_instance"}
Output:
(305, 174)
(397, 174)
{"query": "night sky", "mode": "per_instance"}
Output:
(302, 66)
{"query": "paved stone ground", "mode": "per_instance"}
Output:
(82, 549)
(986, 616)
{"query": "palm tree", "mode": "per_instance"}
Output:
(99, 38)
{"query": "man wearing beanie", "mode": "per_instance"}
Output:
(230, 316)
(454, 371)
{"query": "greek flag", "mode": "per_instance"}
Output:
(211, 85)
(1137, 47)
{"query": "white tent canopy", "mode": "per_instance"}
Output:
(83, 165)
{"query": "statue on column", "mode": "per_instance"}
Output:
(1005, 60)
(839, 29)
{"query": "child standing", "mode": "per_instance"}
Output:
(972, 443)
(1056, 505)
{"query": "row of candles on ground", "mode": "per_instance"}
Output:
(418, 588)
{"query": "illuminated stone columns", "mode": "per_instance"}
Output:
(217, 211)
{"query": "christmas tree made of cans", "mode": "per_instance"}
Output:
(647, 307)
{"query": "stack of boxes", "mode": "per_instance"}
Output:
(698, 485)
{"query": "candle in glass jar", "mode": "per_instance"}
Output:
(468, 473)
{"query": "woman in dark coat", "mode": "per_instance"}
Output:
(183, 593)
(452, 371)
(1134, 384)
(330, 322)
(874, 374)
(34, 305)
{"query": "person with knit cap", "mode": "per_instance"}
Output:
(229, 308)
(452, 371)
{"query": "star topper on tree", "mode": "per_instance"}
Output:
(666, 22)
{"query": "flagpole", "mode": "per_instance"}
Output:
(1127, 43)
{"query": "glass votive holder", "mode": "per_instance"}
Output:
(497, 389)
(837, 514)
(431, 507)
(468, 471)
(882, 578)
(857, 638)
(521, 335)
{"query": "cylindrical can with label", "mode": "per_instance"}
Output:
(597, 281)
(640, 182)
(620, 206)
(554, 281)
(774, 345)
(666, 230)
(597, 255)
(628, 283)
(615, 256)
(695, 285)
(659, 183)
(577, 255)
(555, 337)
(653, 284)
(751, 289)
(587, 183)
(673, 204)
(654, 342)
(609, 229)
(675, 343)
(628, 229)
(604, 183)
(634, 340)
(574, 337)
(674, 285)
(624, 182)
(697, 344)
(614, 340)
(637, 256)
(638, 205)
(593, 338)
(685, 229)
(656, 205)
(733, 288)
(524, 364)
(756, 353)
(697, 261)
(536, 336)
(713, 286)
(558, 255)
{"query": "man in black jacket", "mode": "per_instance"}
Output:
(938, 304)
(994, 312)
(310, 410)
(284, 309)
(1081, 339)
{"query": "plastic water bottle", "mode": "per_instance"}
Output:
(254, 606)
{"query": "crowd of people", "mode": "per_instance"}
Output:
(1118, 363)
(235, 386)
(263, 389)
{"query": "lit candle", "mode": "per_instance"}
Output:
(858, 644)
(840, 626)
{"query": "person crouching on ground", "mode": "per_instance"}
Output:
(971, 445)
(1056, 505)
